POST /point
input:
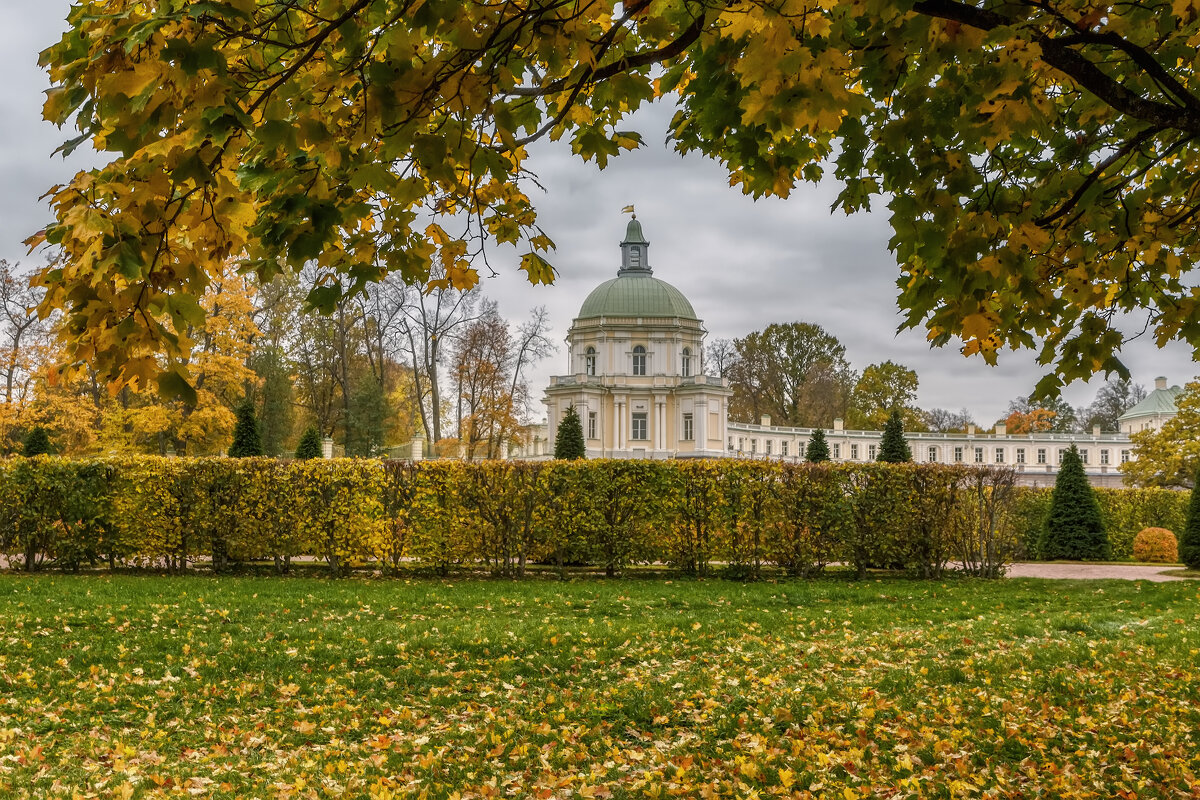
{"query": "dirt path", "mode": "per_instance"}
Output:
(1129, 572)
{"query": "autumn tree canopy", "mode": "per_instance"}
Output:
(1038, 158)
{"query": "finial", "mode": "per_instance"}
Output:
(629, 210)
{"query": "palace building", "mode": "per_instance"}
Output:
(637, 379)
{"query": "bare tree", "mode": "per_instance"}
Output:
(429, 322)
(21, 329)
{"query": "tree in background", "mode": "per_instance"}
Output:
(366, 420)
(1074, 528)
(818, 449)
(310, 444)
(1038, 420)
(1169, 456)
(568, 442)
(37, 442)
(882, 390)
(246, 441)
(1113, 399)
(941, 420)
(276, 398)
(796, 372)
(1189, 542)
(1029, 415)
(489, 364)
(893, 447)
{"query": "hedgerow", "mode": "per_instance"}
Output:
(734, 517)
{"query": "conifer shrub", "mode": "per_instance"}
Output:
(568, 442)
(246, 441)
(1074, 528)
(818, 448)
(893, 447)
(1157, 545)
(1189, 546)
(310, 444)
(37, 442)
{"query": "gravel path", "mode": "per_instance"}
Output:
(1090, 571)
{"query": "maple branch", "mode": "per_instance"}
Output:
(1097, 173)
(1071, 63)
(683, 42)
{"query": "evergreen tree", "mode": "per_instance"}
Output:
(37, 442)
(366, 421)
(310, 444)
(245, 433)
(1189, 542)
(1074, 528)
(275, 399)
(818, 449)
(569, 443)
(894, 447)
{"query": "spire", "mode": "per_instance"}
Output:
(634, 250)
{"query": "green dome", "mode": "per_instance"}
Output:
(634, 295)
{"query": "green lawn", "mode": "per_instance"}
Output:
(242, 687)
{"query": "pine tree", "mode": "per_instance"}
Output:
(366, 421)
(818, 449)
(894, 447)
(1189, 542)
(310, 444)
(275, 399)
(569, 442)
(1074, 527)
(37, 442)
(245, 433)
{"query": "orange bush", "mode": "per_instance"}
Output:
(1156, 544)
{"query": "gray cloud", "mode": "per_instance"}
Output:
(742, 263)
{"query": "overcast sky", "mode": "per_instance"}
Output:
(742, 263)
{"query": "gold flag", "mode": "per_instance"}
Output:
(627, 210)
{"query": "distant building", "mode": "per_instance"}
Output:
(636, 376)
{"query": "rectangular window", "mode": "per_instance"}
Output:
(999, 455)
(978, 455)
(1083, 454)
(783, 448)
(933, 455)
(1060, 455)
(854, 452)
(592, 425)
(1041, 455)
(871, 452)
(741, 444)
(958, 455)
(1104, 458)
(638, 430)
(768, 446)
(687, 428)
(1124, 456)
(837, 451)
(753, 446)
(1020, 455)
(731, 444)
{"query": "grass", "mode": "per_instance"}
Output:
(124, 686)
(1183, 572)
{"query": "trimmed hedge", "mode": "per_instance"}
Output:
(1125, 512)
(731, 517)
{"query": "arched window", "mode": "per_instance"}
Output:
(639, 360)
(589, 361)
(687, 362)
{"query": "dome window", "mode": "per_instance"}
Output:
(589, 361)
(686, 364)
(639, 360)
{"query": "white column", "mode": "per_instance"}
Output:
(700, 424)
(620, 411)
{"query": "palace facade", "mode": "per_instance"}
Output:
(636, 377)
